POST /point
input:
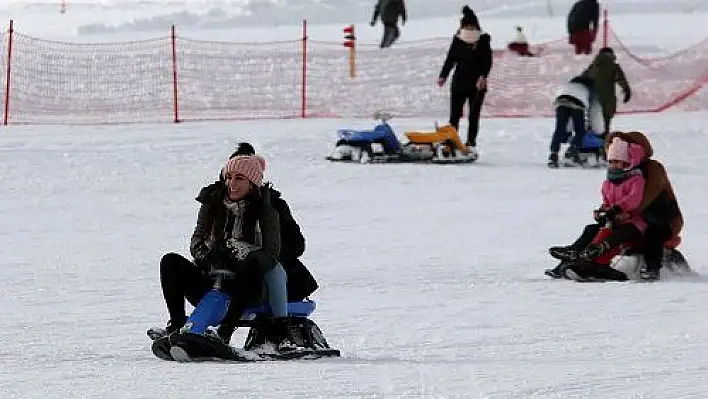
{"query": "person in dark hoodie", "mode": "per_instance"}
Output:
(583, 20)
(607, 74)
(389, 11)
(470, 53)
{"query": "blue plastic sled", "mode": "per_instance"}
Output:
(591, 141)
(382, 134)
(213, 307)
(295, 309)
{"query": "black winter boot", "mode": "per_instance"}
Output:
(572, 157)
(650, 269)
(595, 250)
(567, 253)
(172, 326)
(225, 331)
(281, 335)
(553, 160)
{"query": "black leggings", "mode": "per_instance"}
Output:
(625, 232)
(654, 239)
(475, 99)
(181, 279)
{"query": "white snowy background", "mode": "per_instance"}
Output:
(431, 276)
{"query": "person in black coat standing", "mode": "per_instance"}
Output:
(583, 20)
(470, 53)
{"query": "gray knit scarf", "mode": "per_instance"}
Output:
(238, 210)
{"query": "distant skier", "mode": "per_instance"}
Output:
(583, 20)
(389, 11)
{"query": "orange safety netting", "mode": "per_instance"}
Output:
(159, 80)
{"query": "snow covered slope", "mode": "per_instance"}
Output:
(431, 276)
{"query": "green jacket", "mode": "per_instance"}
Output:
(607, 73)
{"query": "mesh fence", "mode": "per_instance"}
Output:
(58, 82)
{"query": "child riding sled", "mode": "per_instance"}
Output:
(622, 193)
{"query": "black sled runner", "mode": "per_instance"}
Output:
(185, 346)
(197, 342)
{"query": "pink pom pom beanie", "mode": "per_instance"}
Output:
(249, 166)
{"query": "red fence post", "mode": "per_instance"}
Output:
(303, 99)
(7, 78)
(605, 27)
(175, 104)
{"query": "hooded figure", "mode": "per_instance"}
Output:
(606, 73)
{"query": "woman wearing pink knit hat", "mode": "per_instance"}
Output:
(622, 193)
(238, 229)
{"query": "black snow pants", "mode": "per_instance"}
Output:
(180, 279)
(622, 233)
(563, 116)
(390, 35)
(475, 99)
(654, 238)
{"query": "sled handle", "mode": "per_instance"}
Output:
(220, 274)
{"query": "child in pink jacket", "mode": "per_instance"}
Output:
(622, 193)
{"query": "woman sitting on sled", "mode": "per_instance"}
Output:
(622, 194)
(238, 229)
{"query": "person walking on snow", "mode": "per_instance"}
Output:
(607, 74)
(470, 54)
(389, 11)
(583, 20)
(572, 104)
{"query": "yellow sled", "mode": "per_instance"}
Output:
(445, 134)
(442, 145)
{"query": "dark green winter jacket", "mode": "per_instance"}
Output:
(606, 73)
(389, 10)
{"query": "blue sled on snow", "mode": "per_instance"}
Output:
(380, 145)
(593, 142)
(364, 146)
(382, 134)
(593, 151)
(194, 340)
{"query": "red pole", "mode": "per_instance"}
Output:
(303, 99)
(605, 27)
(7, 78)
(175, 104)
